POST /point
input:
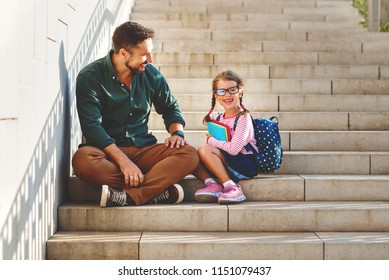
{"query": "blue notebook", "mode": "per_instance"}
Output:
(219, 130)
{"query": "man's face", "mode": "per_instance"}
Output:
(140, 56)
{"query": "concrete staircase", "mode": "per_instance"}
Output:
(305, 61)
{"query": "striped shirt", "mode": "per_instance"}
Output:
(243, 134)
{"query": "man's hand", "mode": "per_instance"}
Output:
(133, 176)
(175, 141)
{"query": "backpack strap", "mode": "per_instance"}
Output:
(274, 118)
(235, 121)
(248, 146)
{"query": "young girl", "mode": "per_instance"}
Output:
(228, 161)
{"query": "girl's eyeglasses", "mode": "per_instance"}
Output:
(222, 91)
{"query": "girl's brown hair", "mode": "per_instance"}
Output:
(227, 75)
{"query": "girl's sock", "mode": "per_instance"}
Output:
(210, 180)
(229, 182)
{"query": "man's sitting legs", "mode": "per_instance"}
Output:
(162, 166)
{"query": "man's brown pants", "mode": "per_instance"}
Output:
(162, 167)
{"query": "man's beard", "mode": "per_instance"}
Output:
(135, 71)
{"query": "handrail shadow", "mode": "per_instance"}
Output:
(32, 217)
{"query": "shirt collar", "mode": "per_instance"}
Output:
(111, 69)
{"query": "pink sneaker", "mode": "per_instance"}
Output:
(209, 193)
(232, 194)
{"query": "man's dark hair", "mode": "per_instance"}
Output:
(129, 34)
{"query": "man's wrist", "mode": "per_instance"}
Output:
(179, 133)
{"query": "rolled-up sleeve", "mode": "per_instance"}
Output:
(165, 103)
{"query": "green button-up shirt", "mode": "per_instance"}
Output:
(110, 113)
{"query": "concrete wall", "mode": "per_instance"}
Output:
(384, 12)
(43, 46)
(378, 14)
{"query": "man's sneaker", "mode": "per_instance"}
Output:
(232, 194)
(111, 197)
(172, 195)
(209, 193)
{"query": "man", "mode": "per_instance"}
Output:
(114, 99)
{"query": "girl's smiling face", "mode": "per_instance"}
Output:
(230, 102)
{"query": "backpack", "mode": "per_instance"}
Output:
(268, 138)
(269, 157)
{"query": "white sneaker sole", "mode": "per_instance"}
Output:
(104, 196)
(207, 197)
(180, 193)
(240, 198)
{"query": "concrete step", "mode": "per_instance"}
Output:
(235, 16)
(248, 3)
(208, 35)
(339, 9)
(270, 58)
(291, 102)
(325, 72)
(277, 187)
(298, 120)
(231, 4)
(352, 47)
(260, 71)
(96, 245)
(242, 7)
(339, 163)
(351, 141)
(292, 87)
(384, 72)
(195, 8)
(259, 46)
(376, 38)
(283, 216)
(309, 25)
(339, 140)
(256, 25)
(206, 45)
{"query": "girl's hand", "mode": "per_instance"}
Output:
(207, 136)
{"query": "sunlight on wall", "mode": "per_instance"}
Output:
(32, 217)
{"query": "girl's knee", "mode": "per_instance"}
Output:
(205, 151)
(202, 151)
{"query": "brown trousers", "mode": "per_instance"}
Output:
(162, 167)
